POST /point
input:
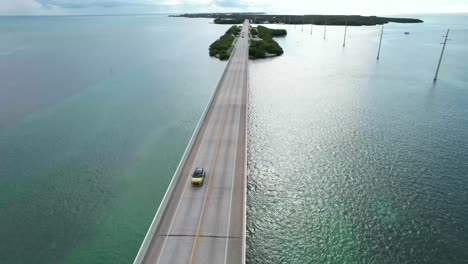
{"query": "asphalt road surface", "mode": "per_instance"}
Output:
(205, 224)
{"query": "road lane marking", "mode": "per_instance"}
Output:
(197, 234)
(230, 202)
(200, 221)
(232, 181)
(188, 180)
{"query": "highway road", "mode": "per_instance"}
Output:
(207, 224)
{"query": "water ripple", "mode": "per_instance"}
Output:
(350, 163)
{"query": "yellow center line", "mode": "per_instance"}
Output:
(197, 236)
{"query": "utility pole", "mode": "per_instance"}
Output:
(345, 29)
(302, 24)
(441, 55)
(311, 28)
(380, 43)
(295, 22)
(325, 32)
(325, 29)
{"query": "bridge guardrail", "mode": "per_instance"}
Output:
(244, 225)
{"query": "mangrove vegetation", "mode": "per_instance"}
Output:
(222, 47)
(263, 45)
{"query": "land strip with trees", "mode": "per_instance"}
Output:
(222, 47)
(263, 18)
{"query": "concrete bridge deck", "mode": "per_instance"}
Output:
(207, 224)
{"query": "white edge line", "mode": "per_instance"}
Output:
(232, 192)
(230, 202)
(176, 210)
(182, 196)
(162, 206)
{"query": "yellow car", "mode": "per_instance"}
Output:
(198, 177)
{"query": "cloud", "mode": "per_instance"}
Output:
(95, 3)
(80, 4)
(18, 5)
(231, 4)
(60, 7)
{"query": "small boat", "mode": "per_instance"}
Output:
(407, 33)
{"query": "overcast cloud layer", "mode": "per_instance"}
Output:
(366, 7)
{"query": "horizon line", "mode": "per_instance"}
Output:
(266, 13)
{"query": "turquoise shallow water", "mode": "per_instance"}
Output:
(357, 161)
(95, 113)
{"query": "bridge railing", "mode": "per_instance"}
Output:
(244, 213)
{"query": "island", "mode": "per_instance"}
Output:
(262, 44)
(263, 18)
(222, 47)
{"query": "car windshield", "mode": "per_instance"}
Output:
(197, 174)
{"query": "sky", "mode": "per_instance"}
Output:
(359, 7)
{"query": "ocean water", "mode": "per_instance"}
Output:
(350, 160)
(95, 113)
(357, 161)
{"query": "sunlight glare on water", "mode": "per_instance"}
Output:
(357, 161)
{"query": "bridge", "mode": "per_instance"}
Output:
(207, 224)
